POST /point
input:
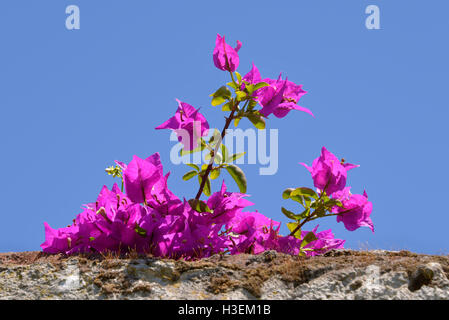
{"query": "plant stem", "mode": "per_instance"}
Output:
(329, 215)
(301, 224)
(217, 147)
(309, 218)
(233, 79)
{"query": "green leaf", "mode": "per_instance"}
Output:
(239, 77)
(257, 120)
(201, 147)
(224, 151)
(216, 101)
(222, 92)
(292, 226)
(238, 176)
(254, 87)
(252, 104)
(320, 211)
(300, 200)
(260, 85)
(221, 95)
(204, 167)
(199, 205)
(236, 121)
(308, 239)
(189, 175)
(218, 158)
(215, 173)
(304, 214)
(302, 251)
(207, 188)
(227, 107)
(287, 192)
(241, 95)
(307, 201)
(233, 85)
(324, 197)
(332, 203)
(216, 136)
(194, 166)
(288, 214)
(235, 157)
(249, 88)
(140, 231)
(305, 192)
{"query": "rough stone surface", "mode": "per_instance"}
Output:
(340, 274)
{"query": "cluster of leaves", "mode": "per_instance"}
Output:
(243, 93)
(329, 175)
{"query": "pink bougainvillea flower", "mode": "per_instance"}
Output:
(111, 223)
(59, 240)
(280, 97)
(356, 210)
(328, 172)
(255, 232)
(246, 222)
(161, 197)
(325, 242)
(226, 204)
(139, 178)
(189, 125)
(252, 77)
(225, 57)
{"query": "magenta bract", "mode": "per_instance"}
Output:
(252, 77)
(189, 125)
(356, 210)
(328, 173)
(225, 57)
(139, 178)
(325, 242)
(226, 204)
(280, 97)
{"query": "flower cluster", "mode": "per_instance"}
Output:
(144, 216)
(329, 176)
(279, 97)
(150, 219)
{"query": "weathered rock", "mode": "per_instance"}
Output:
(340, 274)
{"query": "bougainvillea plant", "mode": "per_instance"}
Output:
(143, 215)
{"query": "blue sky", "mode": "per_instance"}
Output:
(74, 101)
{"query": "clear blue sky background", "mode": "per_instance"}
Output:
(73, 101)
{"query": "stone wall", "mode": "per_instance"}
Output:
(341, 274)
